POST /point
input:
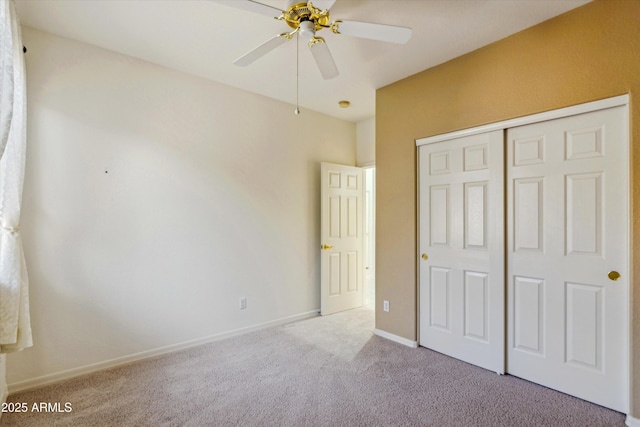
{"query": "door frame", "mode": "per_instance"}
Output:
(617, 101)
(370, 214)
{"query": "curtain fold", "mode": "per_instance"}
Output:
(15, 325)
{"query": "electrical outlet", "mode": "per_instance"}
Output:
(243, 303)
(385, 306)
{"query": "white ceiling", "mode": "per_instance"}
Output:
(203, 37)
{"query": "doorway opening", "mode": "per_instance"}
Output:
(370, 236)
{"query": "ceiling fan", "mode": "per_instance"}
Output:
(306, 18)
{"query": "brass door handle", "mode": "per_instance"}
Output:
(425, 257)
(614, 275)
(326, 247)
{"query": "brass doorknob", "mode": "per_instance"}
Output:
(614, 275)
(425, 257)
(326, 247)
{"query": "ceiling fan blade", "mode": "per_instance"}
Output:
(324, 60)
(251, 6)
(366, 30)
(322, 4)
(261, 50)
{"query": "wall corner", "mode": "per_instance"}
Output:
(4, 392)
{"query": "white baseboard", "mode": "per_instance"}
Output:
(632, 422)
(396, 338)
(94, 367)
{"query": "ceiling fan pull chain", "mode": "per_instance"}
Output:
(297, 110)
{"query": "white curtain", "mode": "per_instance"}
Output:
(15, 325)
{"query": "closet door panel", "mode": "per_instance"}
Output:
(462, 249)
(567, 227)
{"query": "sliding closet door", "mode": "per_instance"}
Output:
(462, 249)
(567, 198)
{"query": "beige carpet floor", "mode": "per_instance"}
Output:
(326, 371)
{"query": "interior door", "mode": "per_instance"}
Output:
(342, 238)
(568, 255)
(462, 246)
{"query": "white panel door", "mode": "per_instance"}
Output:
(567, 197)
(342, 238)
(462, 249)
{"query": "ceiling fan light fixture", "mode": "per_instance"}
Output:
(307, 30)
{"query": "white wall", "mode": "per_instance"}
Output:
(3, 381)
(366, 142)
(154, 200)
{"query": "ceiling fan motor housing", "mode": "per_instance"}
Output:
(299, 12)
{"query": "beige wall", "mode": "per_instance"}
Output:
(153, 201)
(366, 142)
(587, 54)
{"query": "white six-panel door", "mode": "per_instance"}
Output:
(342, 238)
(462, 246)
(567, 197)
